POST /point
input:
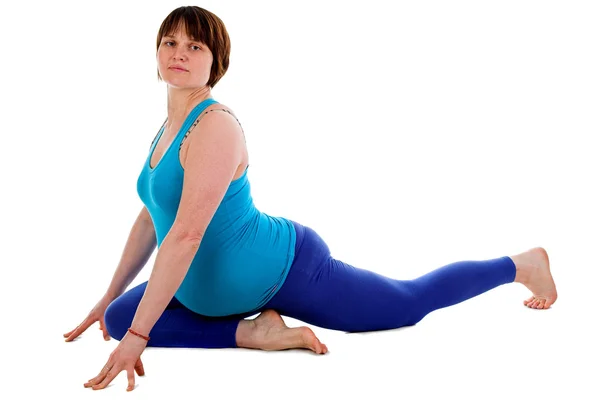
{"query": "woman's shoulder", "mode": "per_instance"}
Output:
(220, 107)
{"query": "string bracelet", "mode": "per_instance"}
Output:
(146, 338)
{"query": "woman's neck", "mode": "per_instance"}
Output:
(180, 103)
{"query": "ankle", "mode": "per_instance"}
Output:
(243, 334)
(523, 270)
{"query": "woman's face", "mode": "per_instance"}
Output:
(180, 51)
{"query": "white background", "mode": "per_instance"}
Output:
(408, 134)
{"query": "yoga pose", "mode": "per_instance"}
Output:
(221, 260)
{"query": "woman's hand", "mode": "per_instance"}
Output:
(125, 357)
(97, 314)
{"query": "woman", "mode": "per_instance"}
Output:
(221, 260)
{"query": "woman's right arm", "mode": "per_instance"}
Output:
(138, 249)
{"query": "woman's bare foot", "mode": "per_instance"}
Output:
(269, 332)
(533, 271)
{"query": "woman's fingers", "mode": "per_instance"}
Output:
(104, 330)
(98, 378)
(79, 330)
(130, 379)
(68, 333)
(139, 367)
(108, 377)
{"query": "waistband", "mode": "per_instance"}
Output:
(300, 234)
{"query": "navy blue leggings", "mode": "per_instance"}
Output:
(324, 292)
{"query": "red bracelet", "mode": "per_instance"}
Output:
(147, 338)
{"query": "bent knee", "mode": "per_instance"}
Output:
(117, 319)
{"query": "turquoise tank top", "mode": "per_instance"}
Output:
(245, 254)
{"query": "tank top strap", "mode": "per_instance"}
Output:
(192, 119)
(188, 124)
(158, 134)
(202, 114)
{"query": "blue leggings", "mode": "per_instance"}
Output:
(324, 292)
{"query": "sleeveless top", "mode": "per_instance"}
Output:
(245, 254)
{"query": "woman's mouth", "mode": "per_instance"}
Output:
(180, 69)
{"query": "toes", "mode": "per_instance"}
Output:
(526, 302)
(310, 340)
(317, 347)
(530, 302)
(541, 304)
(547, 304)
(323, 348)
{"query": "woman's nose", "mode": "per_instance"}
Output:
(179, 53)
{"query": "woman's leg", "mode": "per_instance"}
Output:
(326, 292)
(176, 327)
(181, 327)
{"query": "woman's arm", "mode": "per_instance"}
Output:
(213, 156)
(138, 249)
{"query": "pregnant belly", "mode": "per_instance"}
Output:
(227, 284)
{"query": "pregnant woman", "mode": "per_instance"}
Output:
(221, 260)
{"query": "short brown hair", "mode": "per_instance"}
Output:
(202, 26)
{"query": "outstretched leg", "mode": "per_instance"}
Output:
(181, 327)
(326, 292)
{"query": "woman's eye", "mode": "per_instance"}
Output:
(170, 43)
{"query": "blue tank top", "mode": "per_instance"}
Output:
(245, 254)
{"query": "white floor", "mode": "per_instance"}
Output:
(490, 347)
(408, 134)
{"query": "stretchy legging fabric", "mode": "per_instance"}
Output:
(323, 291)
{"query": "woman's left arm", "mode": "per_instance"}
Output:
(213, 156)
